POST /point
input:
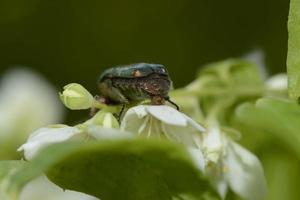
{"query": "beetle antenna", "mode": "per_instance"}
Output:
(171, 102)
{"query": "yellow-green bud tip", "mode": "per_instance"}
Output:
(76, 97)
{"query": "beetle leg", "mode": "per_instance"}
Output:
(121, 112)
(108, 90)
(171, 102)
(117, 95)
(93, 109)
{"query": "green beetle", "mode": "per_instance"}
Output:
(134, 83)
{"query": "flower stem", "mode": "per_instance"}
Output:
(108, 108)
(240, 91)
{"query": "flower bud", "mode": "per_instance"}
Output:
(104, 119)
(76, 97)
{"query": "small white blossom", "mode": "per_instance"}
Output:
(162, 122)
(245, 174)
(165, 122)
(229, 165)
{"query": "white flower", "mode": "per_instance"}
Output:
(165, 122)
(161, 121)
(76, 97)
(42, 188)
(27, 101)
(245, 174)
(102, 126)
(230, 165)
(45, 136)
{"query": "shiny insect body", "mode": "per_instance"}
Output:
(135, 83)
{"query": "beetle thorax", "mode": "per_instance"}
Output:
(155, 85)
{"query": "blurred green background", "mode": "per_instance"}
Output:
(74, 41)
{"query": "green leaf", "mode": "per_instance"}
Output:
(275, 162)
(278, 118)
(7, 168)
(293, 57)
(125, 169)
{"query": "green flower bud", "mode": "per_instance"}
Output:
(76, 97)
(104, 119)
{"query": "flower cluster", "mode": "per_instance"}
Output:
(224, 162)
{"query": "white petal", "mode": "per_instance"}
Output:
(244, 173)
(132, 122)
(45, 136)
(213, 144)
(197, 157)
(168, 115)
(215, 173)
(222, 188)
(179, 134)
(100, 133)
(42, 188)
(194, 124)
(140, 111)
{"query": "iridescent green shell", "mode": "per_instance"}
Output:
(129, 71)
